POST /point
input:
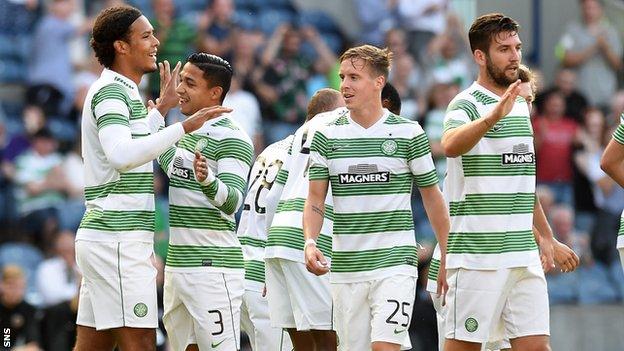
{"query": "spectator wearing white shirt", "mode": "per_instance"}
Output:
(246, 111)
(58, 277)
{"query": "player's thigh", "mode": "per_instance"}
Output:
(392, 304)
(214, 304)
(526, 311)
(474, 303)
(135, 339)
(255, 313)
(89, 339)
(531, 343)
(352, 315)
(176, 318)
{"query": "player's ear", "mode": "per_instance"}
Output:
(479, 57)
(216, 93)
(380, 81)
(120, 46)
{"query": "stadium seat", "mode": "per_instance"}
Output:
(269, 20)
(318, 19)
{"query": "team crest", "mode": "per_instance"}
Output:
(201, 145)
(389, 147)
(140, 309)
(471, 324)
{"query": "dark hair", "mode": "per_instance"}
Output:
(217, 71)
(487, 27)
(324, 100)
(111, 24)
(391, 95)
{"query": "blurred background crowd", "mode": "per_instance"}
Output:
(282, 52)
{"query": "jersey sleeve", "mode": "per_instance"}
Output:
(226, 190)
(319, 152)
(420, 160)
(458, 113)
(110, 107)
(618, 135)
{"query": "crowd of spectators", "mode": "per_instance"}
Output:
(281, 55)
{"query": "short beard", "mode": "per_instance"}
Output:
(497, 75)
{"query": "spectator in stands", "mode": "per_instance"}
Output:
(244, 58)
(609, 198)
(376, 19)
(33, 120)
(57, 282)
(216, 28)
(41, 184)
(406, 75)
(616, 109)
(423, 20)
(281, 81)
(554, 139)
(7, 211)
(447, 56)
(594, 49)
(17, 314)
(591, 138)
(58, 278)
(50, 69)
(566, 84)
(246, 111)
(440, 95)
(177, 37)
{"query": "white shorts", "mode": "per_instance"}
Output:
(491, 345)
(256, 323)
(118, 286)
(203, 308)
(621, 251)
(496, 304)
(297, 298)
(378, 310)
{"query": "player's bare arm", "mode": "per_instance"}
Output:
(612, 161)
(313, 215)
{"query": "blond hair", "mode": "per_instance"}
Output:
(378, 59)
(324, 100)
(527, 76)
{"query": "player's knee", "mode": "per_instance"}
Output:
(325, 340)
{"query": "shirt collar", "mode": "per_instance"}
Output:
(112, 75)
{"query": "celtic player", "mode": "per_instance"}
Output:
(252, 233)
(114, 243)
(612, 162)
(496, 283)
(299, 301)
(370, 157)
(208, 174)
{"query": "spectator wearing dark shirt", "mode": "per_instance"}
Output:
(216, 28)
(16, 314)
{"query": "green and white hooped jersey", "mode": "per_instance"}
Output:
(252, 232)
(619, 137)
(285, 239)
(202, 234)
(119, 206)
(490, 190)
(371, 172)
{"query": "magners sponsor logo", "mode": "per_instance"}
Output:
(379, 177)
(520, 155)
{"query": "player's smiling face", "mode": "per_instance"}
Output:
(503, 58)
(194, 91)
(143, 45)
(357, 83)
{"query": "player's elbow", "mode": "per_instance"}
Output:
(606, 165)
(120, 165)
(450, 149)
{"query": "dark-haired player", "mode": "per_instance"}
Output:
(204, 269)
(496, 280)
(115, 240)
(390, 99)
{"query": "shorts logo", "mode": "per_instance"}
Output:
(389, 147)
(363, 173)
(471, 324)
(179, 170)
(214, 345)
(519, 156)
(140, 309)
(398, 331)
(201, 145)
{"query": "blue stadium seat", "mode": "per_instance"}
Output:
(245, 19)
(24, 255)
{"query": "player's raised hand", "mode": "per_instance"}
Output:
(200, 117)
(315, 261)
(168, 83)
(505, 105)
(200, 166)
(565, 257)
